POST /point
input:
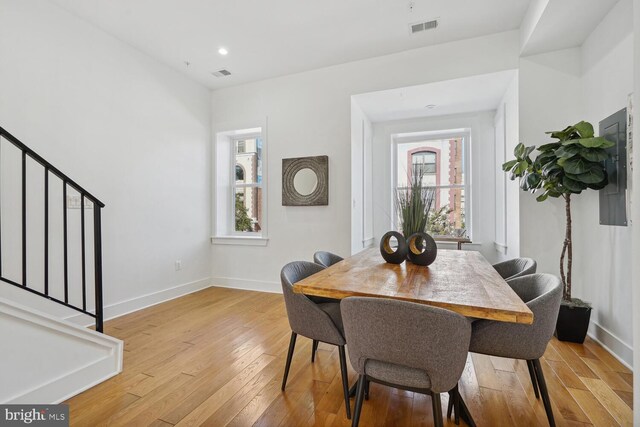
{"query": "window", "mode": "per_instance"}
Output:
(239, 173)
(241, 147)
(239, 187)
(248, 184)
(442, 165)
(424, 162)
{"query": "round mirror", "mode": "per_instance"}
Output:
(305, 181)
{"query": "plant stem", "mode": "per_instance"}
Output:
(567, 249)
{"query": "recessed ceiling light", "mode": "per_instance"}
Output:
(430, 106)
(223, 51)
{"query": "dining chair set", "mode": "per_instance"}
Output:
(418, 347)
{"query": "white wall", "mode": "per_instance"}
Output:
(309, 114)
(481, 161)
(507, 192)
(132, 131)
(361, 180)
(602, 254)
(549, 92)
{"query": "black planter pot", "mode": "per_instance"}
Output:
(573, 323)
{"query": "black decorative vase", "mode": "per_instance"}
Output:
(422, 249)
(573, 323)
(390, 255)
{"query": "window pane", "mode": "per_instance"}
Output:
(249, 159)
(248, 209)
(447, 217)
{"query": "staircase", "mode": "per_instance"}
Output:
(50, 255)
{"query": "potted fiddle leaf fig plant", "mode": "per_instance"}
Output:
(567, 166)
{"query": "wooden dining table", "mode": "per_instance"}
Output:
(460, 281)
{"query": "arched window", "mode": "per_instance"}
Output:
(239, 173)
(424, 163)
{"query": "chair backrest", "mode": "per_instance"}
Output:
(407, 334)
(305, 318)
(326, 259)
(542, 293)
(516, 267)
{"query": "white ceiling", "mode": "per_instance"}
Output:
(268, 38)
(469, 94)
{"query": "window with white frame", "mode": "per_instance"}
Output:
(442, 163)
(239, 185)
(247, 186)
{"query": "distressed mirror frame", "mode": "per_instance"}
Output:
(290, 167)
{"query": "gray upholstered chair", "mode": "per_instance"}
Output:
(318, 321)
(405, 345)
(326, 259)
(542, 293)
(516, 267)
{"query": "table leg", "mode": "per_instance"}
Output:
(465, 415)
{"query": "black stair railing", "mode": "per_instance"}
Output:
(52, 171)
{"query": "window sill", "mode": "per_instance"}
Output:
(239, 240)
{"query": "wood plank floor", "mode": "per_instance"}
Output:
(216, 358)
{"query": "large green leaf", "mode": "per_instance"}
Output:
(585, 129)
(573, 185)
(543, 197)
(593, 175)
(549, 146)
(599, 185)
(595, 142)
(551, 169)
(508, 165)
(594, 154)
(561, 134)
(567, 150)
(575, 165)
(519, 151)
(532, 180)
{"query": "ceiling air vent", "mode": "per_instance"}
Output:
(423, 26)
(221, 73)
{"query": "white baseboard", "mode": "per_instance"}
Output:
(121, 308)
(614, 345)
(247, 284)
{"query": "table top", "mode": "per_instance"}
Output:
(461, 281)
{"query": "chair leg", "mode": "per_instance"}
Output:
(359, 398)
(543, 391)
(292, 346)
(345, 380)
(366, 390)
(314, 348)
(437, 409)
(454, 404)
(533, 378)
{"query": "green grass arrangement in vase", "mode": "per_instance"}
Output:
(413, 205)
(569, 165)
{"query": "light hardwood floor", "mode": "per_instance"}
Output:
(216, 358)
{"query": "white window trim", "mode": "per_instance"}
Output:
(228, 134)
(434, 136)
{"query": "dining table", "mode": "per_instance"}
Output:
(460, 281)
